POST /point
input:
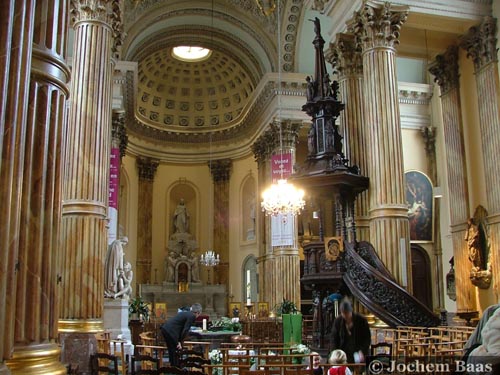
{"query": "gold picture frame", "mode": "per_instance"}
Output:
(333, 247)
(263, 309)
(232, 311)
(161, 310)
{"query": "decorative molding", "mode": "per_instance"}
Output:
(147, 168)
(118, 131)
(445, 69)
(92, 10)
(221, 169)
(378, 25)
(481, 43)
(116, 18)
(345, 55)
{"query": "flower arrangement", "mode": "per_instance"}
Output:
(215, 356)
(286, 307)
(300, 349)
(139, 307)
(226, 324)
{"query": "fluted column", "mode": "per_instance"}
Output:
(38, 266)
(221, 173)
(147, 170)
(445, 70)
(348, 61)
(16, 33)
(376, 28)
(481, 45)
(86, 178)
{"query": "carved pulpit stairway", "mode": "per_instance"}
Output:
(338, 262)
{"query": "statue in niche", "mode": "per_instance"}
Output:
(474, 245)
(195, 269)
(115, 274)
(251, 214)
(181, 218)
(170, 261)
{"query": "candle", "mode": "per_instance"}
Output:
(230, 289)
(249, 301)
(204, 324)
(249, 287)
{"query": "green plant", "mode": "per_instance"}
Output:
(226, 324)
(139, 307)
(286, 307)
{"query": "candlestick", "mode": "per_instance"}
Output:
(204, 324)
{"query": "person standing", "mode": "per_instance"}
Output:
(351, 333)
(176, 329)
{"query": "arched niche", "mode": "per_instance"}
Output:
(123, 203)
(250, 269)
(187, 192)
(248, 209)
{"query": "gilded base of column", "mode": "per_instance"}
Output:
(36, 359)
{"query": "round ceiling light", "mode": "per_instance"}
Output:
(191, 53)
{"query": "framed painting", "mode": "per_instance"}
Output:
(161, 310)
(333, 247)
(420, 201)
(263, 309)
(234, 309)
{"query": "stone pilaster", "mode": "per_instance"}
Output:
(221, 174)
(347, 59)
(376, 28)
(86, 178)
(147, 170)
(429, 135)
(445, 71)
(16, 30)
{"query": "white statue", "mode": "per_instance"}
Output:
(181, 218)
(125, 282)
(113, 265)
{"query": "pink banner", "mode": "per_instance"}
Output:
(114, 174)
(281, 166)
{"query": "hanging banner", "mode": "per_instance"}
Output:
(114, 180)
(281, 166)
(282, 230)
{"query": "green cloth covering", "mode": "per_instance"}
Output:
(292, 329)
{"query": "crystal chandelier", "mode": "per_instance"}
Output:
(281, 198)
(209, 259)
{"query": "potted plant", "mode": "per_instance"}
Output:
(286, 307)
(292, 321)
(137, 309)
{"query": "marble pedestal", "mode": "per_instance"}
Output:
(116, 321)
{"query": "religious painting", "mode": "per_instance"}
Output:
(235, 309)
(419, 199)
(161, 310)
(333, 247)
(263, 309)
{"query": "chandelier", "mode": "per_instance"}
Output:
(209, 259)
(281, 198)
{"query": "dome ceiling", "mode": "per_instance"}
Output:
(186, 95)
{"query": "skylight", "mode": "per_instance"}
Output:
(191, 53)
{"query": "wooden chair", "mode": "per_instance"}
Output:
(298, 371)
(103, 363)
(103, 342)
(146, 364)
(381, 352)
(118, 350)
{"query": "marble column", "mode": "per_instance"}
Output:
(221, 173)
(285, 261)
(346, 58)
(86, 179)
(481, 45)
(16, 38)
(32, 129)
(445, 70)
(429, 135)
(376, 28)
(147, 170)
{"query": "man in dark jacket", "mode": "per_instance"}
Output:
(175, 330)
(351, 333)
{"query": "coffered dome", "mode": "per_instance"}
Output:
(190, 95)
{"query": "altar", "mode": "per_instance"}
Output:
(211, 297)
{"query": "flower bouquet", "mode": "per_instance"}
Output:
(215, 357)
(299, 349)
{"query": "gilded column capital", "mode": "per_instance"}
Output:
(92, 10)
(378, 24)
(220, 169)
(118, 131)
(345, 55)
(147, 168)
(429, 136)
(480, 43)
(264, 146)
(445, 69)
(116, 18)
